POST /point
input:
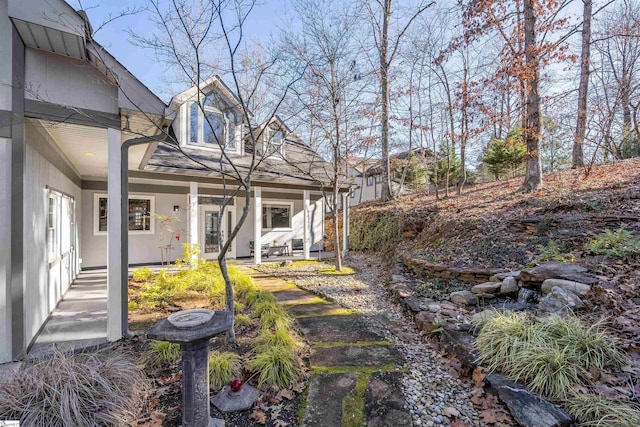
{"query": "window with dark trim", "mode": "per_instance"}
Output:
(141, 210)
(276, 215)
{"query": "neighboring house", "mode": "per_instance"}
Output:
(73, 123)
(367, 174)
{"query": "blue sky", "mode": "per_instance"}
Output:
(264, 21)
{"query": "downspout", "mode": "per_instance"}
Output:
(124, 229)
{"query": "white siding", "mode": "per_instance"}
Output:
(68, 82)
(143, 248)
(43, 288)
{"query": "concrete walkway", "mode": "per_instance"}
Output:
(80, 318)
(355, 374)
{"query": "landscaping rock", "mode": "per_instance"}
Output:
(463, 298)
(502, 276)
(428, 322)
(528, 409)
(324, 401)
(434, 308)
(509, 286)
(577, 288)
(397, 278)
(582, 278)
(486, 288)
(462, 345)
(384, 401)
(401, 290)
(560, 302)
(412, 304)
(549, 271)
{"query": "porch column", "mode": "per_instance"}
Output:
(345, 224)
(114, 237)
(13, 225)
(257, 225)
(307, 224)
(193, 214)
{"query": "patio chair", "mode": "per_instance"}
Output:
(297, 245)
(264, 251)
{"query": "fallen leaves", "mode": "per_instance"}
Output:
(259, 416)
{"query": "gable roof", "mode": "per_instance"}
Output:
(213, 82)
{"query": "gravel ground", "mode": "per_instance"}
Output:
(430, 391)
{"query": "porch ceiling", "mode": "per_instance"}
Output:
(86, 147)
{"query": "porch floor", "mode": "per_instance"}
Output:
(80, 318)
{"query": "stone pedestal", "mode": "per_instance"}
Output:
(194, 345)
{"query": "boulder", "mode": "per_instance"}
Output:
(502, 276)
(509, 286)
(527, 408)
(582, 278)
(397, 278)
(549, 271)
(577, 288)
(560, 302)
(463, 298)
(434, 307)
(486, 288)
(462, 345)
(428, 322)
(412, 304)
(400, 291)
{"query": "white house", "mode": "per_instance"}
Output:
(78, 131)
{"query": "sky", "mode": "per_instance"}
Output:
(264, 21)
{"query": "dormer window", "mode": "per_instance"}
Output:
(210, 126)
(275, 142)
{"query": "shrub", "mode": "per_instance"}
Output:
(551, 355)
(546, 369)
(589, 345)
(500, 339)
(615, 244)
(142, 274)
(241, 320)
(163, 353)
(99, 389)
(223, 366)
(554, 252)
(594, 410)
(276, 366)
(279, 338)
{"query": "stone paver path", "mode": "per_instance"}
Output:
(356, 374)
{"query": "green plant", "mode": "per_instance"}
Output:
(89, 389)
(276, 366)
(594, 410)
(546, 369)
(241, 320)
(279, 338)
(554, 252)
(589, 345)
(500, 339)
(163, 353)
(142, 274)
(615, 244)
(132, 305)
(332, 271)
(223, 366)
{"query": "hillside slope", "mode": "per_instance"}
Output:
(494, 226)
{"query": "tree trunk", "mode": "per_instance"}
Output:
(583, 88)
(533, 172)
(384, 88)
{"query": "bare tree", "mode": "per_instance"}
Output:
(330, 91)
(387, 35)
(583, 87)
(205, 39)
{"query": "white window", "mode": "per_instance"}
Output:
(275, 143)
(379, 178)
(277, 215)
(211, 127)
(53, 214)
(141, 211)
(369, 181)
